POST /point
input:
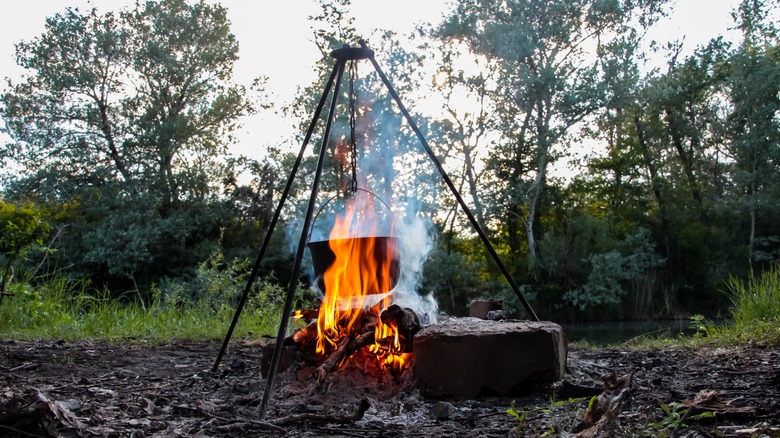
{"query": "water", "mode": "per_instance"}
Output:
(602, 334)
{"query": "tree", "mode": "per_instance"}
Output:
(753, 126)
(548, 82)
(465, 128)
(129, 116)
(612, 270)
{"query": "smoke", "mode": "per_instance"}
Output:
(415, 245)
(393, 186)
(367, 215)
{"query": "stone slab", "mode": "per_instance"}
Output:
(466, 357)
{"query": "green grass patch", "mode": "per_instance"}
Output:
(69, 310)
(755, 310)
(756, 300)
(754, 317)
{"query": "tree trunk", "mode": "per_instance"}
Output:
(543, 116)
(108, 135)
(654, 182)
(686, 159)
(515, 208)
(471, 180)
(752, 209)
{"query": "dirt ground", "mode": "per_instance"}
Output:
(70, 389)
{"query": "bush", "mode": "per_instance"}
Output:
(20, 229)
(613, 271)
(200, 308)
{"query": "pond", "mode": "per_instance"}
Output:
(602, 334)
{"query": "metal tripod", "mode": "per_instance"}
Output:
(341, 56)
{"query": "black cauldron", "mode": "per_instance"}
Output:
(384, 247)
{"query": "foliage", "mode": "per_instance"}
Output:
(612, 270)
(545, 83)
(752, 320)
(121, 127)
(753, 83)
(129, 117)
(700, 325)
(756, 300)
(217, 286)
(453, 277)
(676, 415)
(562, 415)
(21, 227)
(690, 157)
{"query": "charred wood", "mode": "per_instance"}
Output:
(406, 320)
(303, 336)
(345, 349)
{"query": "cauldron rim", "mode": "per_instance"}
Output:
(352, 238)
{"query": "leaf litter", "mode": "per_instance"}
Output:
(94, 389)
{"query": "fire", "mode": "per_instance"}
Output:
(357, 288)
(389, 347)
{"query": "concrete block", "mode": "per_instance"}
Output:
(466, 357)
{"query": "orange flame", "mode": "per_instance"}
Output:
(389, 347)
(356, 285)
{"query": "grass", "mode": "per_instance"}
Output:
(754, 317)
(758, 300)
(755, 310)
(69, 310)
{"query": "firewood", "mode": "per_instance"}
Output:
(304, 335)
(406, 320)
(345, 349)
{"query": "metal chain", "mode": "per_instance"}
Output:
(352, 110)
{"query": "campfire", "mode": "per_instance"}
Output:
(363, 310)
(357, 275)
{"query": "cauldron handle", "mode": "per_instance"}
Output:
(319, 210)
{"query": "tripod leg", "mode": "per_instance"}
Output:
(277, 213)
(301, 246)
(454, 190)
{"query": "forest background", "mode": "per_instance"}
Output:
(118, 176)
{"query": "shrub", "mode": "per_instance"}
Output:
(20, 229)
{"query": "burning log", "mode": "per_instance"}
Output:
(357, 274)
(346, 348)
(388, 337)
(406, 322)
(303, 336)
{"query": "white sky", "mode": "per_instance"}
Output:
(276, 41)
